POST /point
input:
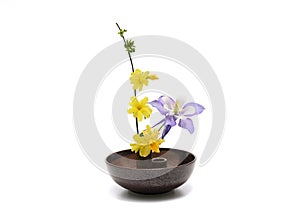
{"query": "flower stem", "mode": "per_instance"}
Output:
(129, 55)
(158, 123)
(161, 127)
(132, 69)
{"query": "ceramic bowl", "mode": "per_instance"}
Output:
(124, 169)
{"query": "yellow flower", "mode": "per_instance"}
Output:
(146, 142)
(139, 109)
(138, 79)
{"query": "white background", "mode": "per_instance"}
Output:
(254, 48)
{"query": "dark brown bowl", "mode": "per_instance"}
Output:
(123, 168)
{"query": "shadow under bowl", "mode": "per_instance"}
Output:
(123, 169)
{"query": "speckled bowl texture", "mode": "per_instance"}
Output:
(123, 168)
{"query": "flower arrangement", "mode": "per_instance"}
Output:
(173, 112)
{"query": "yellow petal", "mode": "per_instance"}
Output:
(140, 86)
(134, 101)
(131, 110)
(160, 141)
(139, 115)
(137, 71)
(154, 147)
(148, 128)
(152, 77)
(135, 86)
(144, 151)
(144, 101)
(136, 138)
(146, 111)
(135, 147)
(145, 81)
(145, 74)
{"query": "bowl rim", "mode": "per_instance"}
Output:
(147, 169)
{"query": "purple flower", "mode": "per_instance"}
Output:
(172, 110)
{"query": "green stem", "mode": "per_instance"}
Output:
(132, 68)
(161, 126)
(129, 55)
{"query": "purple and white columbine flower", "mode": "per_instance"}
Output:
(172, 110)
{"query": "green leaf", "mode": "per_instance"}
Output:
(129, 46)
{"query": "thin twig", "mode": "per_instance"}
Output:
(132, 68)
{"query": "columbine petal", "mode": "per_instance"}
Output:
(166, 131)
(167, 102)
(187, 124)
(191, 109)
(159, 106)
(170, 120)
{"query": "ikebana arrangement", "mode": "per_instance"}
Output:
(146, 168)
